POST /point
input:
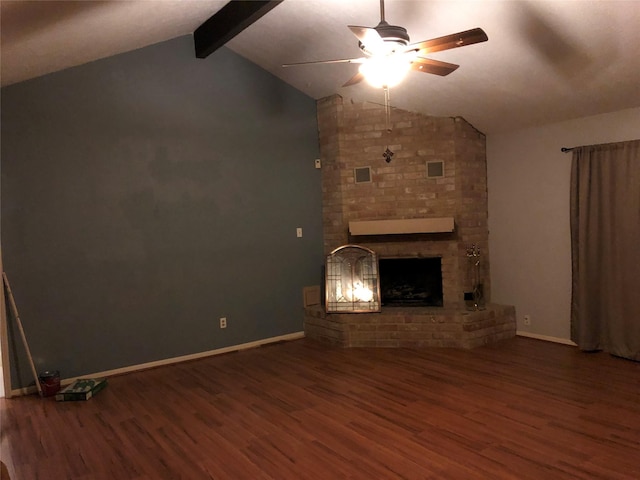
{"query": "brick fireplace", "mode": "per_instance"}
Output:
(353, 137)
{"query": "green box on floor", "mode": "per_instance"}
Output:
(81, 389)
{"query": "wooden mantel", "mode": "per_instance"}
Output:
(402, 226)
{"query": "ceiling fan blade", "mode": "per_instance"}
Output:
(357, 78)
(436, 67)
(455, 40)
(368, 36)
(342, 60)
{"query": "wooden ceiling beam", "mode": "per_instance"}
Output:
(228, 22)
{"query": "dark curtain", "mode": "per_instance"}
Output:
(605, 248)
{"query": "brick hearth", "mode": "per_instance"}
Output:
(354, 135)
(412, 327)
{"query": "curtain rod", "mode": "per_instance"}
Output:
(566, 149)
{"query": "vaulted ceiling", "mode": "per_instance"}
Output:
(545, 61)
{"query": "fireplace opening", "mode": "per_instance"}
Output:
(411, 281)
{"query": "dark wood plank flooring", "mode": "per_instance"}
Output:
(522, 409)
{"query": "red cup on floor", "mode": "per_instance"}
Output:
(49, 382)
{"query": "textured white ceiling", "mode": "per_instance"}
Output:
(545, 61)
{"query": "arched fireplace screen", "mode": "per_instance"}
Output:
(352, 282)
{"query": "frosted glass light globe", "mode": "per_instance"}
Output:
(385, 70)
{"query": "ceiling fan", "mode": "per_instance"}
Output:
(389, 55)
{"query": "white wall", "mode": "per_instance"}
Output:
(529, 232)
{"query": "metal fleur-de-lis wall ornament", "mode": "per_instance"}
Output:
(387, 155)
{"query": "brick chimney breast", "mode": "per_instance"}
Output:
(353, 135)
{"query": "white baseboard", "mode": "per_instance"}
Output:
(168, 361)
(546, 338)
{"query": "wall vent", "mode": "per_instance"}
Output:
(435, 169)
(362, 174)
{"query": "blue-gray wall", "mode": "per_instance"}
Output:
(148, 194)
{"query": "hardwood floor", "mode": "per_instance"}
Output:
(521, 409)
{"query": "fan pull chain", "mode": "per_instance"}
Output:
(387, 113)
(387, 109)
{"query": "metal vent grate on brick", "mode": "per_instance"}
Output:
(352, 281)
(435, 169)
(362, 174)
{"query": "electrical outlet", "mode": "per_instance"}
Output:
(299, 232)
(318, 164)
(527, 320)
(223, 322)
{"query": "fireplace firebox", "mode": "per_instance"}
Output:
(414, 281)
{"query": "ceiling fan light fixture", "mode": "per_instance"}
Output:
(389, 56)
(385, 70)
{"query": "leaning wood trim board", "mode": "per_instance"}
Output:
(402, 226)
(16, 316)
(4, 340)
